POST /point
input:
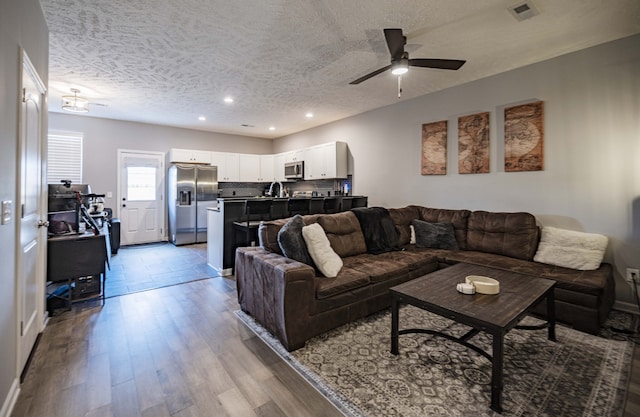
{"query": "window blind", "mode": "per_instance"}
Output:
(64, 157)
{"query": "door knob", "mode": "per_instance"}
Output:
(43, 223)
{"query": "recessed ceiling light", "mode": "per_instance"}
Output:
(308, 115)
(202, 118)
(228, 99)
(272, 128)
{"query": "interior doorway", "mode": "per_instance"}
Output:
(140, 196)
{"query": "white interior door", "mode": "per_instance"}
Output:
(30, 262)
(141, 196)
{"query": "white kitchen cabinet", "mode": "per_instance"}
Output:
(294, 156)
(278, 167)
(256, 168)
(249, 168)
(228, 166)
(326, 161)
(189, 156)
(267, 168)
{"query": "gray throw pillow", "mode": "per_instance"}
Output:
(435, 235)
(292, 243)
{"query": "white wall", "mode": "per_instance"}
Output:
(102, 138)
(21, 25)
(591, 180)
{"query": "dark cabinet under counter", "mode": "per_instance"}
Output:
(80, 261)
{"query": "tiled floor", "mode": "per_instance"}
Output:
(144, 267)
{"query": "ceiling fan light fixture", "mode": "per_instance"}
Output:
(74, 103)
(400, 67)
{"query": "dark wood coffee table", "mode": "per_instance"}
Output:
(493, 314)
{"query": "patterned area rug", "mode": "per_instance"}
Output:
(580, 375)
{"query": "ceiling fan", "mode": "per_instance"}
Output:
(400, 61)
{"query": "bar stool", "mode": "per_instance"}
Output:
(359, 202)
(298, 206)
(331, 205)
(253, 208)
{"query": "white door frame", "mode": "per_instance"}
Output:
(161, 214)
(40, 317)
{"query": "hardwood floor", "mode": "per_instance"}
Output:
(174, 351)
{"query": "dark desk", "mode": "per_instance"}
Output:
(74, 257)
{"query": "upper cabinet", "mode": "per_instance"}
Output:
(228, 166)
(267, 168)
(326, 161)
(294, 156)
(278, 167)
(189, 156)
(256, 168)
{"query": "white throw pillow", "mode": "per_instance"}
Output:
(571, 249)
(326, 260)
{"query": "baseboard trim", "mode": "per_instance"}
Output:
(11, 399)
(222, 272)
(631, 308)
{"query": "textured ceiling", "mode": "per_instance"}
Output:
(169, 61)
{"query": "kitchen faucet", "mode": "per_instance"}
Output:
(281, 193)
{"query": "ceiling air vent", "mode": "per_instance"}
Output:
(523, 10)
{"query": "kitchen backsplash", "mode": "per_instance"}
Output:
(254, 189)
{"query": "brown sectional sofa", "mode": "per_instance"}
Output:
(295, 303)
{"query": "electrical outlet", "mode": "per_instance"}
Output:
(631, 274)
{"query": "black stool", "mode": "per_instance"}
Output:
(255, 211)
(331, 205)
(299, 206)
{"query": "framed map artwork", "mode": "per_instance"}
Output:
(524, 137)
(434, 148)
(473, 143)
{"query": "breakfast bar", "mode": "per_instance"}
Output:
(221, 236)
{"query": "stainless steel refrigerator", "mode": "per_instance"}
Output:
(192, 190)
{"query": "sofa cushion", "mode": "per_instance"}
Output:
(411, 258)
(377, 268)
(584, 282)
(326, 260)
(402, 218)
(510, 234)
(268, 235)
(268, 232)
(344, 232)
(458, 218)
(347, 279)
(571, 249)
(292, 243)
(435, 235)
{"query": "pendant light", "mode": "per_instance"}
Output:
(74, 103)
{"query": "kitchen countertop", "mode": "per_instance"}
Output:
(236, 198)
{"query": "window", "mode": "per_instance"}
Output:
(64, 157)
(141, 183)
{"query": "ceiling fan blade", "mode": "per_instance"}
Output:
(450, 64)
(370, 75)
(395, 42)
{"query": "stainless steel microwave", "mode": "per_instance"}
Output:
(294, 170)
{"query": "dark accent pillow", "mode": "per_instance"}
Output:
(434, 235)
(292, 243)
